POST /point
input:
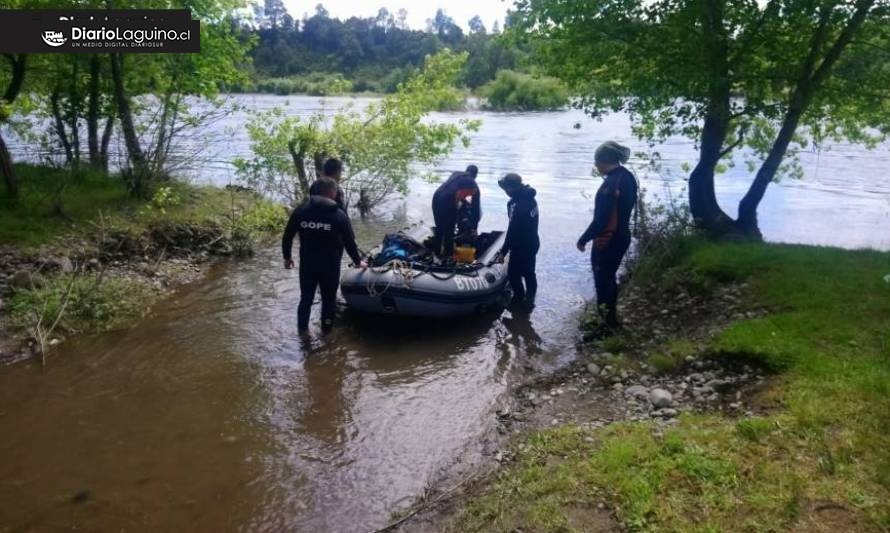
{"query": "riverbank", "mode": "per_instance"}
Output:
(81, 255)
(749, 392)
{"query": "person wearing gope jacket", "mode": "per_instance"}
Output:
(522, 242)
(610, 229)
(324, 230)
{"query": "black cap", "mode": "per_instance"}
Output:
(472, 170)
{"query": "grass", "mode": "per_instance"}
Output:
(829, 335)
(54, 204)
(56, 211)
(93, 304)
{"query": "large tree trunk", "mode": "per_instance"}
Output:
(138, 164)
(298, 154)
(12, 182)
(747, 221)
(59, 123)
(93, 112)
(703, 203)
(16, 80)
(808, 82)
(106, 140)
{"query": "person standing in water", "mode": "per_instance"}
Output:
(447, 199)
(333, 169)
(522, 242)
(610, 229)
(324, 231)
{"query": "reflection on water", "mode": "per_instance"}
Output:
(214, 415)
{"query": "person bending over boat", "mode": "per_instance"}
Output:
(333, 169)
(459, 187)
(522, 241)
(324, 231)
(610, 229)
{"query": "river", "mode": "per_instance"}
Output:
(212, 415)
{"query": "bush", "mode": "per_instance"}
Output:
(93, 303)
(315, 84)
(513, 91)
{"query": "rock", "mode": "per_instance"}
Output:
(690, 359)
(55, 342)
(93, 263)
(65, 265)
(661, 398)
(637, 391)
(22, 280)
(666, 413)
(716, 384)
(594, 369)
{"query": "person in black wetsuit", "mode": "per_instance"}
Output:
(522, 242)
(610, 229)
(446, 200)
(333, 169)
(324, 231)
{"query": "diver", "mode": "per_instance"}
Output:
(610, 230)
(459, 187)
(333, 169)
(522, 242)
(324, 231)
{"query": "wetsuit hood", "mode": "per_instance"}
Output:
(523, 192)
(322, 202)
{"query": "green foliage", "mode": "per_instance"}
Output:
(827, 443)
(87, 201)
(762, 79)
(93, 303)
(513, 91)
(40, 214)
(163, 198)
(378, 144)
(315, 84)
(375, 53)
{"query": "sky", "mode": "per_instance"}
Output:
(418, 10)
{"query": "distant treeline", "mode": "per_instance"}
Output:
(372, 54)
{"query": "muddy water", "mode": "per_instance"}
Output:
(212, 415)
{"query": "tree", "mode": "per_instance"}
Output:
(149, 125)
(445, 27)
(380, 145)
(476, 25)
(16, 78)
(274, 13)
(402, 19)
(728, 74)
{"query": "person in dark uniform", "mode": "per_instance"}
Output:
(333, 169)
(610, 229)
(324, 231)
(459, 187)
(522, 242)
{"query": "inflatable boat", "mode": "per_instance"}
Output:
(420, 288)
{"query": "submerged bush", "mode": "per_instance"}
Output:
(513, 91)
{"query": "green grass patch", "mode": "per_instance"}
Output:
(828, 333)
(84, 303)
(54, 203)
